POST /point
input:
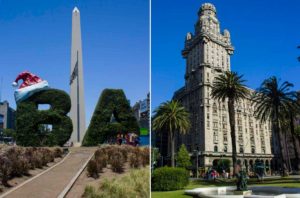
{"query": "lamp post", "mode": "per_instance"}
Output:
(196, 151)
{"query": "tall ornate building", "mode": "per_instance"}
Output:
(207, 53)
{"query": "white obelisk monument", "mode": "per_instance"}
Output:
(76, 82)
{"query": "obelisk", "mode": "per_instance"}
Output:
(76, 82)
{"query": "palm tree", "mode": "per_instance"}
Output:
(273, 101)
(291, 116)
(230, 86)
(171, 117)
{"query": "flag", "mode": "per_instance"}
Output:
(75, 71)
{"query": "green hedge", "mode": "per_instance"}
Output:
(112, 101)
(168, 178)
(29, 119)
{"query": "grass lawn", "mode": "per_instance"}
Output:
(281, 182)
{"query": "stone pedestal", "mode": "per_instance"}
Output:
(245, 192)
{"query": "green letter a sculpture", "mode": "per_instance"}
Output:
(112, 104)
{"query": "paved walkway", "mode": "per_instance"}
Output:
(53, 182)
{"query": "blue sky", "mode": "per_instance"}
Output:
(35, 35)
(265, 35)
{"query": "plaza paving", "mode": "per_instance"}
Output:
(53, 182)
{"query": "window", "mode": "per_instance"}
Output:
(223, 118)
(216, 149)
(225, 149)
(215, 136)
(252, 150)
(241, 150)
(215, 110)
(215, 125)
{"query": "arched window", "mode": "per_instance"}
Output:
(225, 149)
(216, 148)
(253, 150)
(241, 150)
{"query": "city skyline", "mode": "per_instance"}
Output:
(265, 41)
(37, 37)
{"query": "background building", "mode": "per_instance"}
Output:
(141, 110)
(7, 121)
(7, 116)
(207, 53)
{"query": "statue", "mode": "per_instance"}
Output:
(242, 181)
(31, 84)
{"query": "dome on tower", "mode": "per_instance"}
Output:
(207, 7)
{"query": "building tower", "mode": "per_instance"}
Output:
(207, 53)
(76, 82)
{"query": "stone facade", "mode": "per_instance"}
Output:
(207, 53)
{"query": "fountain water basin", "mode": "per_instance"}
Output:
(253, 192)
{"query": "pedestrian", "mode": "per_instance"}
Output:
(119, 138)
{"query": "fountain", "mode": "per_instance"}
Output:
(242, 191)
(256, 192)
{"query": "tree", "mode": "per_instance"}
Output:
(272, 101)
(171, 117)
(293, 112)
(222, 164)
(9, 133)
(103, 127)
(155, 156)
(230, 86)
(183, 157)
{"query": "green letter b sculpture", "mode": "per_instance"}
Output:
(30, 121)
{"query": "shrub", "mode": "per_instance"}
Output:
(92, 169)
(99, 152)
(124, 150)
(135, 159)
(58, 152)
(23, 166)
(168, 178)
(47, 156)
(110, 151)
(5, 169)
(90, 192)
(145, 155)
(133, 184)
(29, 154)
(16, 161)
(19, 163)
(102, 161)
(37, 159)
(183, 157)
(117, 162)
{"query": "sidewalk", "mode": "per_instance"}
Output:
(53, 182)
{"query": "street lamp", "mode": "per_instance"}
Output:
(196, 163)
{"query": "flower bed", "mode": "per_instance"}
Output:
(116, 157)
(17, 161)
